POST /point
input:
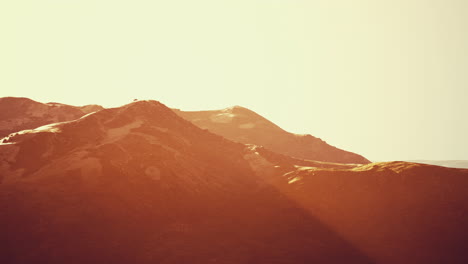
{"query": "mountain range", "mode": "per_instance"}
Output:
(140, 184)
(235, 123)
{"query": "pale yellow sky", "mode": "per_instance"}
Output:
(386, 79)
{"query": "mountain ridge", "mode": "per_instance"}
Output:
(20, 113)
(244, 125)
(236, 123)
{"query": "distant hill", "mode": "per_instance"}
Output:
(243, 125)
(462, 164)
(17, 113)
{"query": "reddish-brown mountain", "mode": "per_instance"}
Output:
(22, 113)
(243, 125)
(236, 123)
(139, 184)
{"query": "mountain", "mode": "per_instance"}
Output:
(18, 113)
(243, 125)
(235, 123)
(139, 184)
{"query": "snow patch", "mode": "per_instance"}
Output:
(53, 128)
(88, 114)
(293, 180)
(305, 168)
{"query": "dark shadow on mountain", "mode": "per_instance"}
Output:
(124, 221)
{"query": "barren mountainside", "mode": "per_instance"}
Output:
(243, 125)
(235, 123)
(139, 184)
(22, 113)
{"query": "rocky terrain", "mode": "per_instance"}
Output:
(139, 184)
(243, 125)
(22, 113)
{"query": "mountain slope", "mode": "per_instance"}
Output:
(236, 123)
(396, 212)
(22, 113)
(138, 184)
(243, 125)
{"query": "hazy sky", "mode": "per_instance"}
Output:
(386, 79)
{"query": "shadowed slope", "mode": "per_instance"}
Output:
(245, 126)
(397, 212)
(138, 184)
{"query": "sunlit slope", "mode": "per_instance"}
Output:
(22, 113)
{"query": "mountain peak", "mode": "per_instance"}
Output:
(144, 102)
(144, 109)
(235, 107)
